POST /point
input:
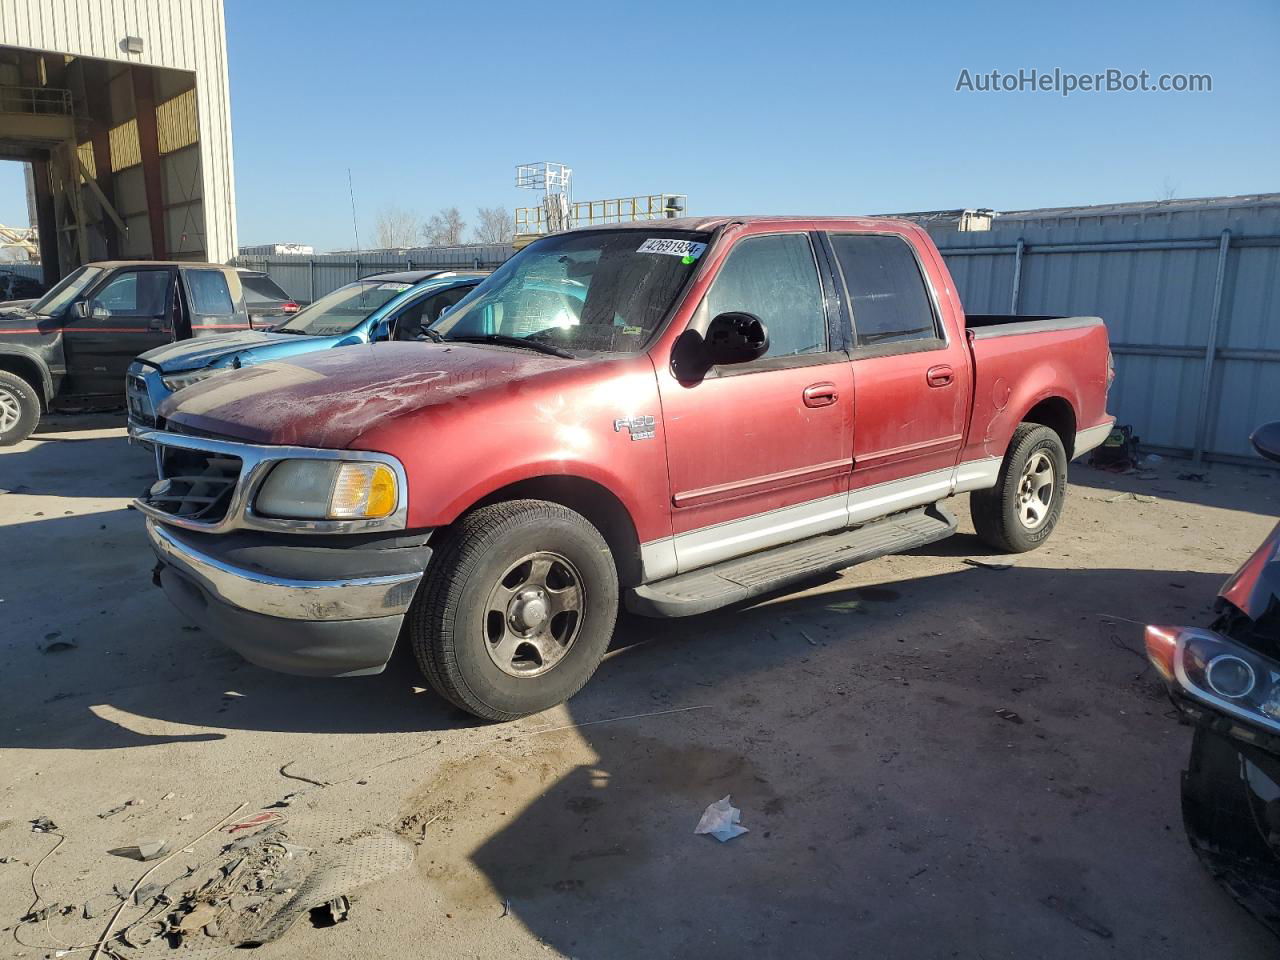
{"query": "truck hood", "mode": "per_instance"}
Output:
(329, 399)
(200, 352)
(15, 305)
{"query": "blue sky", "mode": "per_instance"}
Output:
(747, 107)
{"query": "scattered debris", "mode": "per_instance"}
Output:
(1194, 477)
(169, 796)
(43, 825)
(1081, 920)
(257, 820)
(985, 565)
(1140, 497)
(8, 860)
(143, 850)
(338, 908)
(132, 802)
(917, 873)
(506, 909)
(812, 642)
(721, 820)
(284, 772)
(97, 906)
(1005, 714)
(54, 643)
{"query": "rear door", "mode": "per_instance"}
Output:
(215, 301)
(911, 377)
(130, 312)
(759, 453)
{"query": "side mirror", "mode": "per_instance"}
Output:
(1266, 440)
(736, 338)
(81, 308)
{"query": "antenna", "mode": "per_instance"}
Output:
(355, 225)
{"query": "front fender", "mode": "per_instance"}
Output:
(34, 360)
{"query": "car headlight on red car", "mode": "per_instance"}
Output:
(328, 490)
(1216, 670)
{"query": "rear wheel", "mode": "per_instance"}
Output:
(1021, 510)
(517, 609)
(19, 409)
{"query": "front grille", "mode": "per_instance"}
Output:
(140, 407)
(194, 484)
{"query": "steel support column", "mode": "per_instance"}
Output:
(144, 100)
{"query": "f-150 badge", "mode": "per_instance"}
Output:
(640, 428)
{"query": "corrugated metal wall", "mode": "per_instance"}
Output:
(311, 277)
(1194, 318)
(178, 34)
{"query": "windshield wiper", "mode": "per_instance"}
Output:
(426, 333)
(506, 341)
(301, 333)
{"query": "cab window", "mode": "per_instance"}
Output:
(775, 278)
(133, 293)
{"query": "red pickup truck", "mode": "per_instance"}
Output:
(677, 415)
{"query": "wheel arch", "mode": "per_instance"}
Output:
(1056, 413)
(28, 366)
(597, 503)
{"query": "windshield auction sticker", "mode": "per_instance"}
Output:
(677, 248)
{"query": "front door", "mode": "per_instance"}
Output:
(759, 453)
(128, 314)
(912, 379)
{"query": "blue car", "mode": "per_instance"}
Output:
(386, 306)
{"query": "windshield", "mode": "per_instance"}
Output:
(341, 311)
(597, 291)
(66, 290)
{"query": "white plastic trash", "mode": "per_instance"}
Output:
(720, 819)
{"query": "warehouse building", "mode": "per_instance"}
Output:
(122, 110)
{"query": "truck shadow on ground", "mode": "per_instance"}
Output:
(162, 670)
(849, 725)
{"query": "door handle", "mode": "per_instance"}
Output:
(940, 376)
(820, 395)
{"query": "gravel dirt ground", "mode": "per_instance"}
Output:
(892, 811)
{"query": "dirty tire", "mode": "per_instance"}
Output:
(448, 622)
(19, 409)
(997, 513)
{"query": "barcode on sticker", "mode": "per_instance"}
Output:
(676, 248)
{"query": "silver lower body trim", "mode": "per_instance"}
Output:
(1091, 437)
(725, 541)
(312, 600)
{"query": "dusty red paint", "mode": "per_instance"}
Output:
(467, 420)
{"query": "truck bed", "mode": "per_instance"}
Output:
(1020, 362)
(1009, 324)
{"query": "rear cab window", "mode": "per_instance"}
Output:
(891, 307)
(262, 290)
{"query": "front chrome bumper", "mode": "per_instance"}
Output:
(353, 599)
(325, 627)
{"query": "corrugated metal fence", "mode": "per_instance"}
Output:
(311, 277)
(22, 268)
(1189, 296)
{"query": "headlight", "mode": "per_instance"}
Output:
(177, 381)
(1216, 670)
(328, 490)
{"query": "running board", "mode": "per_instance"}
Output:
(736, 580)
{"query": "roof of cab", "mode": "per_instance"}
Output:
(115, 264)
(707, 224)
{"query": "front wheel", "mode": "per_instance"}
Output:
(19, 409)
(1021, 510)
(517, 609)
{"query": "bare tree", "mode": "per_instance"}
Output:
(494, 225)
(444, 228)
(395, 227)
(1168, 191)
